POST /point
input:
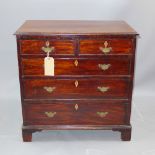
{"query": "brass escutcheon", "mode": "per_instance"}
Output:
(47, 49)
(76, 63)
(76, 83)
(76, 107)
(105, 49)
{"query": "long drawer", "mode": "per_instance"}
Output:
(76, 88)
(89, 113)
(103, 66)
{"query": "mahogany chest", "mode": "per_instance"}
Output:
(92, 81)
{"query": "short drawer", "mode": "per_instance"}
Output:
(76, 88)
(105, 66)
(58, 47)
(106, 46)
(98, 113)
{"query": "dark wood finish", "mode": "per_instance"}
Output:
(76, 127)
(118, 66)
(74, 27)
(35, 46)
(35, 128)
(119, 46)
(67, 114)
(125, 133)
(76, 40)
(65, 88)
(27, 134)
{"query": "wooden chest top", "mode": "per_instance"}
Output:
(72, 27)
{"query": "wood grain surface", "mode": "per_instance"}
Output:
(63, 66)
(65, 88)
(72, 27)
(87, 113)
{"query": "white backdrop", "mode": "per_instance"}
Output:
(140, 14)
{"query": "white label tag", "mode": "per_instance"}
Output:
(49, 66)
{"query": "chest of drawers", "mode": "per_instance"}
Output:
(91, 88)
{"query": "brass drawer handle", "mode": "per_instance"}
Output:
(105, 49)
(47, 49)
(76, 83)
(104, 66)
(102, 114)
(50, 114)
(103, 89)
(76, 63)
(49, 89)
(76, 107)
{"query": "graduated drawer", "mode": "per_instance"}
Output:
(105, 66)
(76, 88)
(101, 113)
(59, 47)
(106, 46)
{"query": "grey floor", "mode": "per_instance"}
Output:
(79, 142)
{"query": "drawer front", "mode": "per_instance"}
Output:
(59, 47)
(101, 113)
(76, 88)
(109, 46)
(105, 66)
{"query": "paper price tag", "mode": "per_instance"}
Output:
(49, 66)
